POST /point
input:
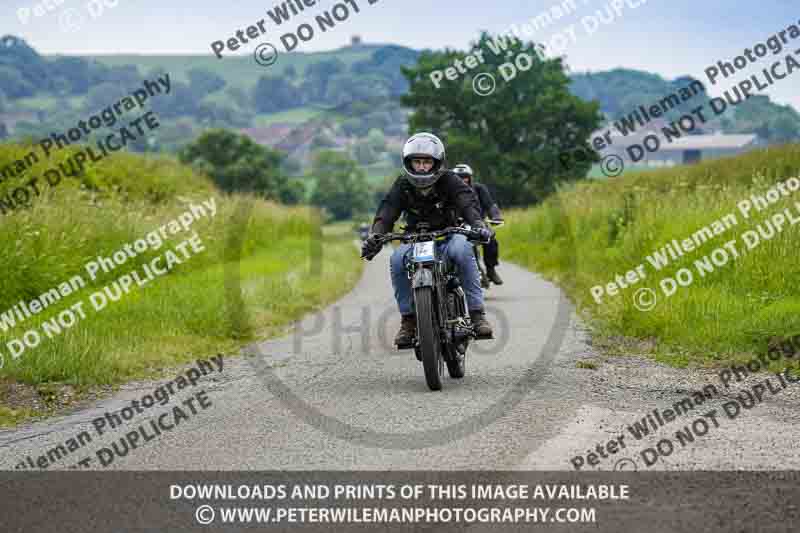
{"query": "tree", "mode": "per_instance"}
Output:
(386, 62)
(785, 129)
(237, 164)
(364, 153)
(322, 139)
(352, 126)
(368, 150)
(100, 96)
(317, 76)
(75, 72)
(181, 101)
(14, 84)
(512, 138)
(274, 94)
(204, 82)
(239, 97)
(221, 115)
(22, 70)
(376, 140)
(342, 187)
(126, 76)
(345, 88)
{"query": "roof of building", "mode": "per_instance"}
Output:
(270, 135)
(717, 141)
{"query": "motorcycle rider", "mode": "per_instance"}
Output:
(429, 193)
(363, 231)
(491, 251)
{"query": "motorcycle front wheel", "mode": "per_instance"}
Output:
(428, 337)
(456, 363)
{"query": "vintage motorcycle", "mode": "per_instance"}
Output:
(363, 232)
(444, 329)
(485, 281)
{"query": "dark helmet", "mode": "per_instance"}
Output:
(424, 145)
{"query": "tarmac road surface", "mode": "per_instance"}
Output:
(334, 395)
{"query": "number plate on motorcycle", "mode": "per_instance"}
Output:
(424, 251)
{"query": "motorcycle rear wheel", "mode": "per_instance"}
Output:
(456, 362)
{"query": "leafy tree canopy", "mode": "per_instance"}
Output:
(513, 137)
(237, 164)
(342, 187)
(275, 94)
(204, 82)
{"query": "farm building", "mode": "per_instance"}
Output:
(695, 148)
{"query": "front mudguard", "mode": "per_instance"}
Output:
(423, 277)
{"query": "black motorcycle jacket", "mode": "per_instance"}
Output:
(450, 199)
(487, 204)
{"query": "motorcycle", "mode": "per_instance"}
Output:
(485, 281)
(363, 232)
(444, 328)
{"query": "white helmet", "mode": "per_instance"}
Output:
(463, 170)
(424, 145)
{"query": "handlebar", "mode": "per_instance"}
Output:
(427, 235)
(470, 234)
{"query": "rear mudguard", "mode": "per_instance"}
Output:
(423, 277)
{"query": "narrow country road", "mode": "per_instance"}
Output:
(335, 395)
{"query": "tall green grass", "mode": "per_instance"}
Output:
(589, 232)
(194, 310)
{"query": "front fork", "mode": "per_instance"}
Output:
(426, 275)
(455, 330)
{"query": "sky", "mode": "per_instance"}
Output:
(671, 38)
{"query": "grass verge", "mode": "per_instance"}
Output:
(589, 232)
(286, 268)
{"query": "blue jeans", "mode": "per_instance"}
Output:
(459, 251)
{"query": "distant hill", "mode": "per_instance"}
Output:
(237, 71)
(43, 93)
(621, 91)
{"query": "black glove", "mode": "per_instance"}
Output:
(371, 247)
(484, 234)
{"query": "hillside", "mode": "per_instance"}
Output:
(622, 91)
(304, 102)
(237, 71)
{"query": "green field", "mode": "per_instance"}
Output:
(379, 173)
(48, 103)
(294, 116)
(239, 71)
(588, 233)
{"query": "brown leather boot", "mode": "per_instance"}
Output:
(483, 330)
(408, 330)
